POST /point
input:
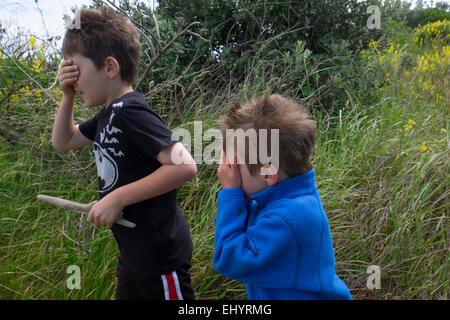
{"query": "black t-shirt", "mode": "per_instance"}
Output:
(127, 136)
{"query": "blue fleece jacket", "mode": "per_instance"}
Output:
(278, 243)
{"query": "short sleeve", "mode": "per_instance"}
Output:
(89, 127)
(145, 130)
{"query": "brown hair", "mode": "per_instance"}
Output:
(104, 33)
(296, 130)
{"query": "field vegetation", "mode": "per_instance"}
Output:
(380, 99)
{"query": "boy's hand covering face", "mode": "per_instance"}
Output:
(68, 75)
(228, 172)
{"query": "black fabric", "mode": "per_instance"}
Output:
(127, 136)
(132, 287)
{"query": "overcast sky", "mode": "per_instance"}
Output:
(25, 14)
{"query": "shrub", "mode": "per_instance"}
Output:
(435, 34)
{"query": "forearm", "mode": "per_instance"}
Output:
(163, 180)
(257, 253)
(63, 127)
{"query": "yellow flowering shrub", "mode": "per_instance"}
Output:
(434, 33)
(32, 42)
(36, 62)
(390, 54)
(433, 67)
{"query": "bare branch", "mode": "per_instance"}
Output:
(158, 43)
(197, 36)
(156, 22)
(45, 90)
(161, 52)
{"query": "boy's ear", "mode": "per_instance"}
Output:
(112, 67)
(270, 174)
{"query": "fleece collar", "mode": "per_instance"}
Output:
(289, 188)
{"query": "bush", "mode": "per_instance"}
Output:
(424, 16)
(434, 34)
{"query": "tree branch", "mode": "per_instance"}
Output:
(45, 90)
(161, 52)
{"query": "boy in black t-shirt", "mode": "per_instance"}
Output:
(133, 150)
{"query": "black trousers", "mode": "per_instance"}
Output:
(172, 286)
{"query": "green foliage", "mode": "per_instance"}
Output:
(421, 17)
(241, 30)
(247, 36)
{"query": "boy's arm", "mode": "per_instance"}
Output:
(264, 254)
(65, 135)
(166, 178)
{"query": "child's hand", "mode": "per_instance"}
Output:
(106, 211)
(68, 75)
(228, 173)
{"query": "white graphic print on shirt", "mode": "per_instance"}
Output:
(104, 156)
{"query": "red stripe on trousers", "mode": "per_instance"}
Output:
(172, 289)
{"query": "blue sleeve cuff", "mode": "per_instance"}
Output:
(229, 194)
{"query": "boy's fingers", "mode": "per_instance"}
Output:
(65, 69)
(92, 216)
(66, 62)
(72, 75)
(69, 69)
(222, 158)
(63, 65)
(220, 169)
(68, 79)
(68, 82)
(89, 217)
(69, 75)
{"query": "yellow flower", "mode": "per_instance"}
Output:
(409, 125)
(14, 98)
(372, 44)
(443, 130)
(32, 42)
(391, 48)
(423, 147)
(37, 66)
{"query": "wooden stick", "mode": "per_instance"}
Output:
(80, 207)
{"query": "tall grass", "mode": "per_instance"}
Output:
(382, 172)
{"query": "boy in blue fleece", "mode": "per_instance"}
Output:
(271, 230)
